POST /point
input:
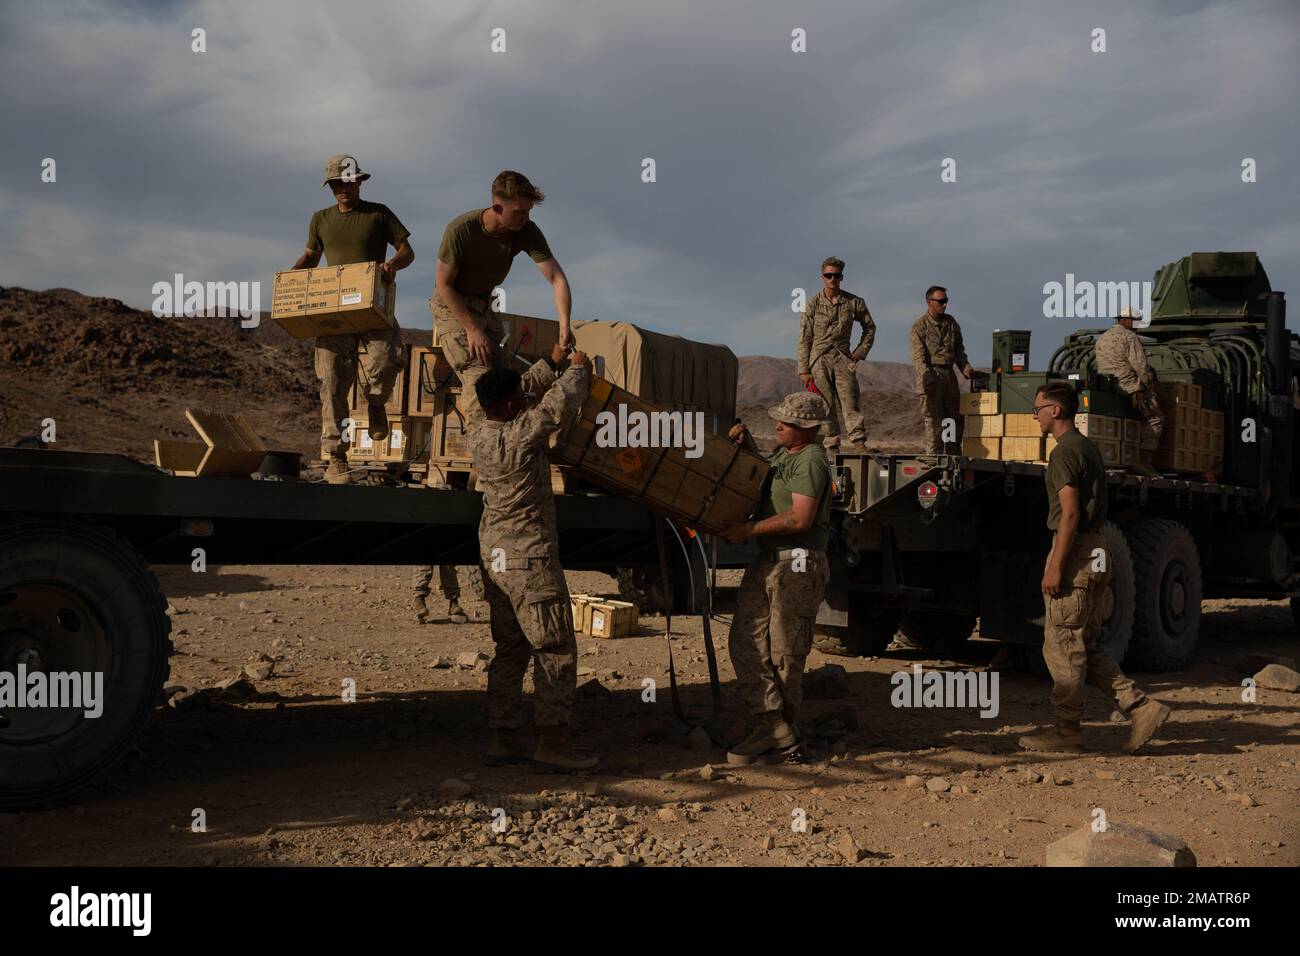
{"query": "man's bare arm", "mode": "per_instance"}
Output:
(1063, 542)
(554, 274)
(309, 259)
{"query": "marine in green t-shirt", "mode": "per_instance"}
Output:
(477, 250)
(1076, 461)
(781, 592)
(353, 230)
(481, 259)
(805, 472)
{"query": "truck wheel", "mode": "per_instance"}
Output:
(474, 581)
(937, 631)
(1117, 602)
(643, 587)
(1167, 595)
(76, 598)
(868, 633)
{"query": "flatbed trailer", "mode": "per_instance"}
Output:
(79, 533)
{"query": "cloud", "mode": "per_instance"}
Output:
(1104, 165)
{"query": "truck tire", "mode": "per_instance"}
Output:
(1167, 595)
(868, 634)
(474, 581)
(76, 597)
(1118, 601)
(937, 631)
(644, 588)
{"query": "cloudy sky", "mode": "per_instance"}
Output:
(1104, 165)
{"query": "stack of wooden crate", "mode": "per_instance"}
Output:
(410, 420)
(597, 616)
(1018, 437)
(1192, 440)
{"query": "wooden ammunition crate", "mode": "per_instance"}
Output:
(333, 300)
(1022, 448)
(1021, 426)
(980, 446)
(983, 426)
(979, 403)
(428, 372)
(1098, 427)
(396, 404)
(408, 439)
(450, 438)
(1171, 394)
(709, 493)
(1112, 451)
(608, 618)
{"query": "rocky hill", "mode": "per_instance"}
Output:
(114, 378)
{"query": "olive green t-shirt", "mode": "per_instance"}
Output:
(806, 473)
(362, 235)
(1076, 461)
(482, 260)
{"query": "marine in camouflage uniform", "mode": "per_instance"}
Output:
(1119, 352)
(936, 346)
(1074, 584)
(772, 630)
(824, 355)
(361, 232)
(422, 577)
(524, 584)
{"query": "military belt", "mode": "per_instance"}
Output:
(789, 554)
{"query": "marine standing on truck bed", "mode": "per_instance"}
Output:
(354, 230)
(523, 581)
(936, 346)
(824, 357)
(1074, 582)
(1119, 352)
(772, 630)
(477, 250)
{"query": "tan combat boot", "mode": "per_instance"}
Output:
(555, 752)
(505, 748)
(456, 614)
(1147, 717)
(771, 735)
(1065, 737)
(336, 472)
(378, 423)
(421, 611)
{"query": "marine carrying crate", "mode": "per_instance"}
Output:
(708, 493)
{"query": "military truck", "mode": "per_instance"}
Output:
(933, 544)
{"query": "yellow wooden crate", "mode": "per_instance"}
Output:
(1022, 449)
(1022, 426)
(979, 403)
(984, 426)
(981, 447)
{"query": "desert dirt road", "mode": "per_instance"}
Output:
(294, 775)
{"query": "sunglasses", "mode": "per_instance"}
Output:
(940, 301)
(832, 275)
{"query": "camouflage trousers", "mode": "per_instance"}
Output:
(422, 577)
(337, 368)
(531, 619)
(452, 339)
(941, 401)
(1072, 635)
(1144, 403)
(772, 632)
(833, 374)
